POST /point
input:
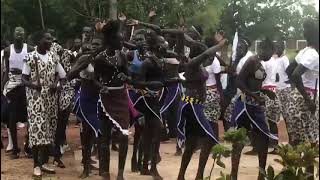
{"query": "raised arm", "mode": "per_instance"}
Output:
(79, 65)
(196, 61)
(130, 46)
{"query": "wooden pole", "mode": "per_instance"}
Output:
(41, 15)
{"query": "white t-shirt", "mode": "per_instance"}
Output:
(59, 69)
(243, 61)
(270, 68)
(213, 69)
(309, 58)
(281, 65)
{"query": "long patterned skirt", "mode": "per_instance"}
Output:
(42, 116)
(302, 125)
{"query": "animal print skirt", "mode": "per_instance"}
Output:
(302, 125)
(283, 95)
(272, 109)
(229, 110)
(212, 105)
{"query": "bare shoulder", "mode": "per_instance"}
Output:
(6, 51)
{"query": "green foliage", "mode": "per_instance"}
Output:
(224, 176)
(275, 18)
(218, 151)
(236, 136)
(294, 161)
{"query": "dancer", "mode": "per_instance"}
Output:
(113, 102)
(248, 111)
(151, 82)
(303, 120)
(193, 125)
(65, 98)
(214, 95)
(14, 91)
(39, 76)
(86, 102)
(283, 86)
(272, 106)
(135, 58)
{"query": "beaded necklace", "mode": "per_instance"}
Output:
(115, 65)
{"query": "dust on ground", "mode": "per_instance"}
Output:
(22, 168)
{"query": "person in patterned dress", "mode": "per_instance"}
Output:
(214, 93)
(65, 97)
(39, 76)
(303, 120)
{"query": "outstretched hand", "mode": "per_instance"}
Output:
(99, 25)
(122, 17)
(132, 22)
(223, 42)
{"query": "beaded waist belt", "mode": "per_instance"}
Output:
(190, 100)
(148, 93)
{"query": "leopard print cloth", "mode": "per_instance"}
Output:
(272, 109)
(212, 105)
(42, 107)
(283, 95)
(66, 96)
(302, 125)
(229, 110)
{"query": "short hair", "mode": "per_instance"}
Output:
(267, 44)
(110, 30)
(37, 36)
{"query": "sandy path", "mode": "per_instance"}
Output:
(21, 169)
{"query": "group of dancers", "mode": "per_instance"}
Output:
(150, 80)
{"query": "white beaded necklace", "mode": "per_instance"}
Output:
(115, 65)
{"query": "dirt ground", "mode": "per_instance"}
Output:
(21, 169)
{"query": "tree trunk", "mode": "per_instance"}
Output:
(113, 9)
(41, 14)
